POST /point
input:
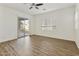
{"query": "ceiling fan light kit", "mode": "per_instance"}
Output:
(36, 5)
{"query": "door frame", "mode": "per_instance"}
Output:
(18, 25)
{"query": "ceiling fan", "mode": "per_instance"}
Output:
(35, 5)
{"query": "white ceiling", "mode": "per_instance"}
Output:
(47, 6)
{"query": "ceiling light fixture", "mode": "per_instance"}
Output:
(35, 5)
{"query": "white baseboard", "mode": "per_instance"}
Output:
(53, 37)
(8, 39)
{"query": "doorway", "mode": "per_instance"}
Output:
(23, 27)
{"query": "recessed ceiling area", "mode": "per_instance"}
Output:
(24, 7)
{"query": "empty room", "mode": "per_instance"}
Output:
(39, 29)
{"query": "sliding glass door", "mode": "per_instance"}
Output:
(23, 27)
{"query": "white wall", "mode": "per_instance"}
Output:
(64, 23)
(63, 20)
(8, 23)
(77, 24)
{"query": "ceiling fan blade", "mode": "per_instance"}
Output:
(30, 7)
(39, 4)
(36, 7)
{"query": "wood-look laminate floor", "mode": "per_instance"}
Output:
(38, 46)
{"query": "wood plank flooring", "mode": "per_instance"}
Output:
(38, 46)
